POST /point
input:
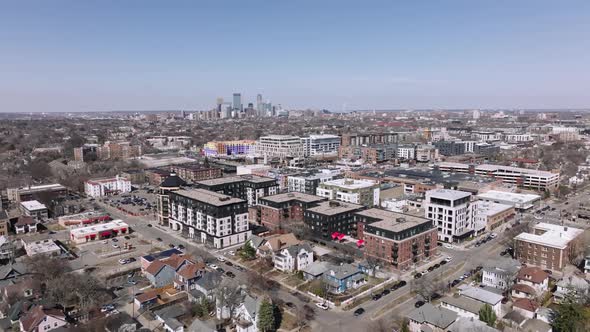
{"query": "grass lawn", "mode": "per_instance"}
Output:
(293, 281)
(277, 275)
(55, 227)
(288, 322)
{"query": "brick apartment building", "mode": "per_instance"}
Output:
(548, 246)
(193, 173)
(328, 217)
(396, 239)
(274, 210)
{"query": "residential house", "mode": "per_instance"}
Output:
(25, 224)
(246, 315)
(4, 221)
(463, 324)
(168, 317)
(146, 299)
(163, 272)
(293, 258)
(276, 243)
(148, 259)
(316, 269)
(500, 273)
(536, 279)
(430, 318)
(39, 318)
(526, 307)
(11, 271)
(188, 274)
(484, 296)
(205, 286)
(463, 306)
(573, 286)
(342, 277)
(7, 248)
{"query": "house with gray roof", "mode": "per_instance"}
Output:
(246, 315)
(340, 278)
(463, 306)
(500, 273)
(483, 296)
(463, 324)
(316, 270)
(293, 258)
(205, 286)
(571, 285)
(431, 318)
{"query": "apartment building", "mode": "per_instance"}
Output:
(34, 209)
(193, 173)
(329, 217)
(452, 212)
(450, 148)
(229, 148)
(277, 209)
(308, 182)
(86, 152)
(279, 146)
(491, 215)
(320, 145)
(406, 152)
(369, 138)
(522, 177)
(172, 183)
(396, 239)
(209, 217)
(426, 153)
(371, 154)
(364, 192)
(107, 186)
(29, 193)
(549, 246)
(247, 187)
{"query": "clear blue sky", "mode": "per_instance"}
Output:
(102, 55)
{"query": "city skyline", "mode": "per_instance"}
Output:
(332, 55)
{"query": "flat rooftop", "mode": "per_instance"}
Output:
(41, 247)
(115, 224)
(334, 207)
(33, 205)
(555, 236)
(393, 221)
(448, 194)
(292, 196)
(54, 186)
(350, 184)
(237, 178)
(83, 215)
(208, 197)
(509, 196)
(491, 208)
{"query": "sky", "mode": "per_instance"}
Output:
(70, 56)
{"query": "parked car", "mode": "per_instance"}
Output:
(221, 259)
(359, 311)
(418, 275)
(231, 253)
(376, 296)
(449, 258)
(159, 239)
(213, 266)
(443, 262)
(290, 305)
(385, 292)
(115, 245)
(123, 261)
(419, 304)
(131, 259)
(230, 274)
(127, 237)
(322, 306)
(228, 263)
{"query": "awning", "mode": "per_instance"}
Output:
(92, 236)
(335, 235)
(341, 236)
(88, 221)
(87, 237)
(360, 243)
(123, 230)
(106, 233)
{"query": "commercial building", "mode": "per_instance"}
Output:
(41, 247)
(330, 217)
(255, 169)
(519, 201)
(549, 246)
(247, 187)
(452, 212)
(29, 193)
(209, 217)
(427, 153)
(107, 186)
(172, 183)
(364, 192)
(277, 209)
(369, 138)
(491, 215)
(522, 177)
(308, 182)
(98, 232)
(34, 209)
(406, 152)
(396, 239)
(320, 145)
(84, 218)
(193, 173)
(229, 148)
(279, 146)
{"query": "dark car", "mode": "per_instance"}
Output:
(181, 247)
(359, 311)
(149, 225)
(455, 282)
(239, 268)
(418, 276)
(290, 305)
(419, 304)
(430, 269)
(220, 270)
(127, 237)
(402, 283)
(385, 292)
(435, 296)
(171, 245)
(548, 271)
(443, 262)
(436, 266)
(159, 239)
(376, 297)
(228, 263)
(230, 274)
(504, 300)
(131, 259)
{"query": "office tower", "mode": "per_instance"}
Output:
(237, 106)
(259, 105)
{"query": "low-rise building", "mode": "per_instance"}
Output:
(430, 318)
(364, 192)
(573, 286)
(194, 173)
(31, 192)
(107, 186)
(328, 217)
(293, 258)
(34, 209)
(520, 201)
(25, 224)
(276, 209)
(463, 306)
(533, 277)
(7, 248)
(484, 296)
(396, 239)
(491, 215)
(342, 277)
(84, 218)
(41, 247)
(4, 222)
(39, 318)
(500, 273)
(549, 246)
(98, 232)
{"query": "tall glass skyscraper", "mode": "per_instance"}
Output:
(237, 102)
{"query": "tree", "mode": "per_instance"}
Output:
(304, 315)
(266, 317)
(405, 326)
(570, 316)
(248, 252)
(229, 296)
(379, 326)
(487, 315)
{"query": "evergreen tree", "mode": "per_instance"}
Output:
(266, 318)
(487, 315)
(570, 316)
(248, 252)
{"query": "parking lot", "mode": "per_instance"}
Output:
(140, 202)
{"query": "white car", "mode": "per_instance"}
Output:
(449, 258)
(231, 253)
(322, 306)
(115, 245)
(213, 266)
(221, 259)
(448, 246)
(493, 235)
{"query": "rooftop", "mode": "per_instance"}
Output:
(81, 231)
(33, 205)
(481, 295)
(464, 303)
(508, 196)
(292, 196)
(448, 194)
(334, 207)
(491, 208)
(41, 247)
(238, 178)
(54, 186)
(555, 236)
(350, 184)
(208, 197)
(392, 221)
(439, 317)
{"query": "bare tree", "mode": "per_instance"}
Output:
(304, 315)
(229, 296)
(379, 326)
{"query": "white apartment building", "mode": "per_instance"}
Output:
(452, 212)
(406, 152)
(518, 138)
(34, 209)
(107, 186)
(469, 145)
(425, 153)
(364, 192)
(209, 217)
(523, 177)
(279, 146)
(318, 145)
(293, 258)
(487, 136)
